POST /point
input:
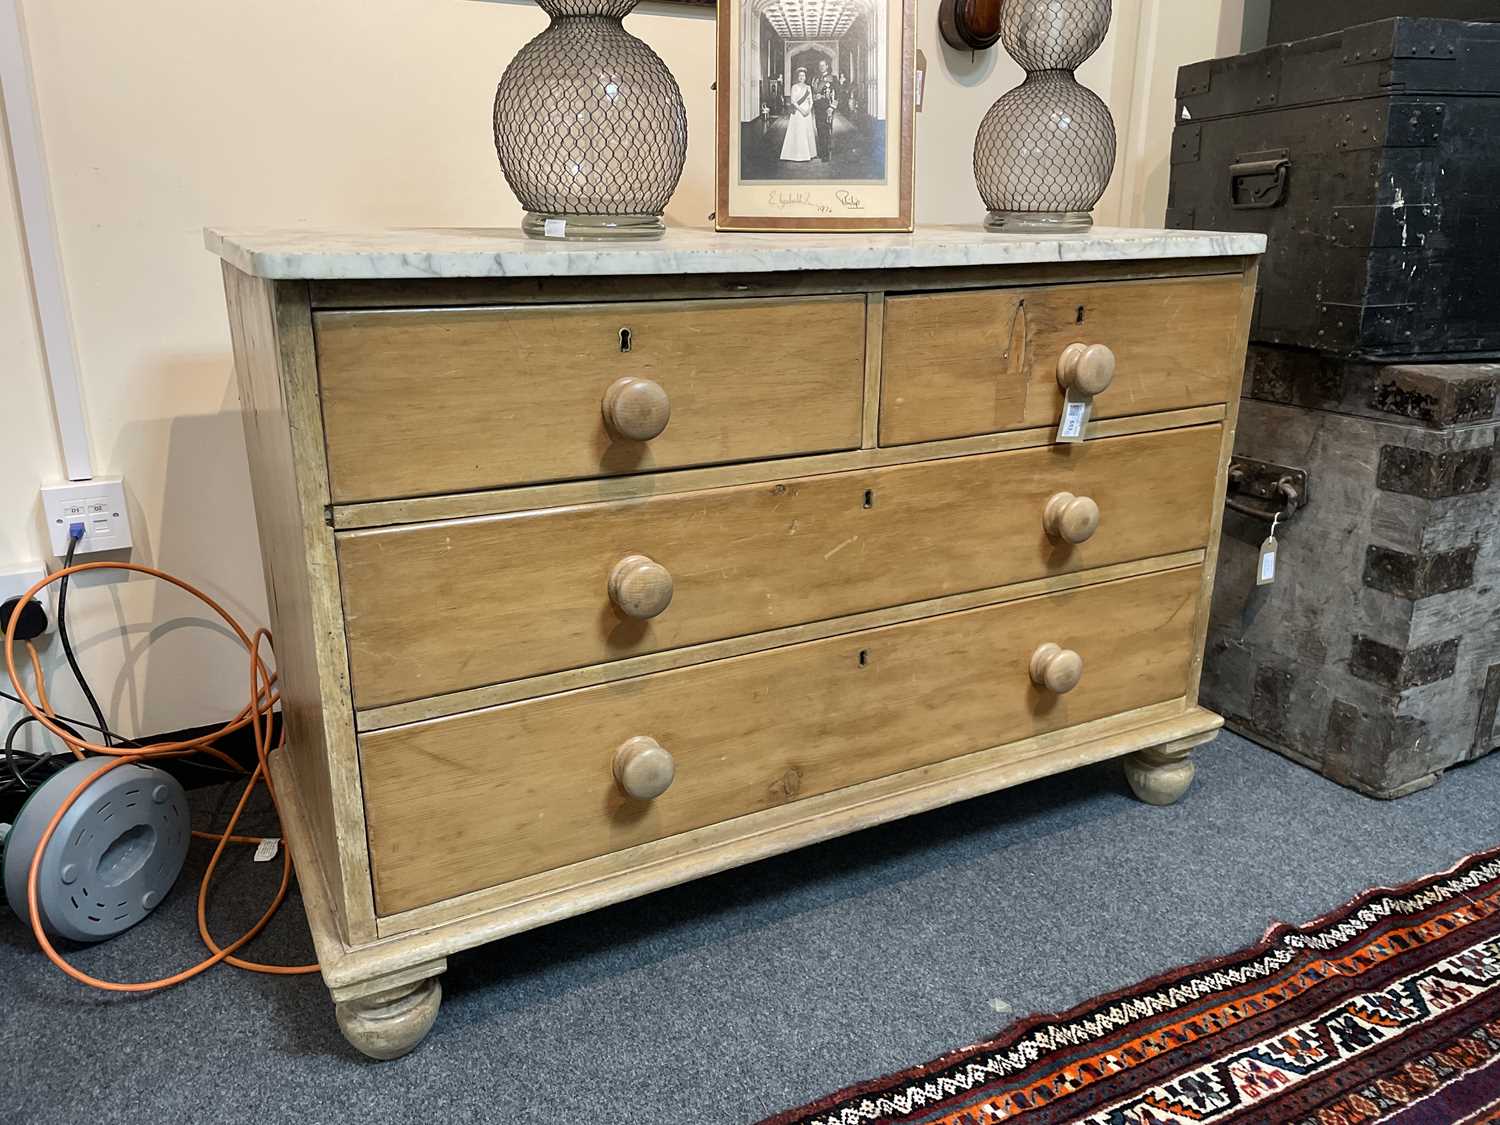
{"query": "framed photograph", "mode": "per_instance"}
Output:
(815, 113)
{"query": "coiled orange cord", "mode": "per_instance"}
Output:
(256, 714)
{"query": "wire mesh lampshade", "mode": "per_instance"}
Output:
(1045, 151)
(590, 126)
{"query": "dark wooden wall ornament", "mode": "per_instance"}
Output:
(970, 25)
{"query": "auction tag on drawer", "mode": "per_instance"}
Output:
(1265, 569)
(1075, 418)
(554, 228)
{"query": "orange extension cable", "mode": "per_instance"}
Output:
(256, 714)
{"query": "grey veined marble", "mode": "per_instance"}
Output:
(441, 252)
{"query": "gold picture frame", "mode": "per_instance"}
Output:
(815, 115)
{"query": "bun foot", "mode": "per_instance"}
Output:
(1160, 775)
(389, 1024)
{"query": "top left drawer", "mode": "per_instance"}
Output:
(425, 401)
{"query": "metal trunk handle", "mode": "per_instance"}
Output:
(1256, 185)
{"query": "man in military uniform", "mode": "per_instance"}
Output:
(825, 102)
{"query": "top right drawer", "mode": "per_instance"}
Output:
(958, 364)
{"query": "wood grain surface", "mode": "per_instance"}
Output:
(446, 400)
(493, 695)
(271, 329)
(422, 509)
(958, 364)
(458, 804)
(454, 605)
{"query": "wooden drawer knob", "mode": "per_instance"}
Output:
(1056, 668)
(640, 587)
(1086, 368)
(636, 409)
(1069, 517)
(644, 768)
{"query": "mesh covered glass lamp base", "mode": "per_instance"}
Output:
(590, 127)
(593, 228)
(1039, 222)
(1045, 151)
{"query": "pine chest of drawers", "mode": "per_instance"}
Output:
(593, 570)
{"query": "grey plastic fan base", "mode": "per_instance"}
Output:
(114, 856)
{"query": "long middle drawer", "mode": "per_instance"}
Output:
(442, 607)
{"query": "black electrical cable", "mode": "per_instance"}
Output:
(67, 645)
(22, 775)
(11, 753)
(68, 723)
(120, 739)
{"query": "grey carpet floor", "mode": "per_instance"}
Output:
(746, 993)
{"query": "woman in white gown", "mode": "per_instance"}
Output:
(801, 134)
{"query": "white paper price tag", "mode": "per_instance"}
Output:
(555, 228)
(267, 849)
(1265, 572)
(1265, 566)
(1075, 418)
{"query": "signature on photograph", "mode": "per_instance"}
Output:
(795, 200)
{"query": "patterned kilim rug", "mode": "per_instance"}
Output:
(1387, 1010)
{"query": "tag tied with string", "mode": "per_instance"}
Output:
(1077, 409)
(1265, 569)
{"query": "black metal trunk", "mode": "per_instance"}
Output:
(1301, 19)
(1371, 158)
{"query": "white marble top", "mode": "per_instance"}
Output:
(442, 252)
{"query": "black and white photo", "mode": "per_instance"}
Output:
(818, 70)
(815, 106)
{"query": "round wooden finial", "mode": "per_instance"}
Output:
(969, 25)
(1071, 518)
(1056, 668)
(636, 409)
(1088, 369)
(644, 769)
(640, 587)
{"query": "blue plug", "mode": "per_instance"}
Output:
(75, 530)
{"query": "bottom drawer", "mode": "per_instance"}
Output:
(471, 801)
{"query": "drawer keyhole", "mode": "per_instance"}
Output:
(864, 658)
(624, 339)
(869, 498)
(1080, 315)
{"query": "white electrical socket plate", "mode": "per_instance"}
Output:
(98, 504)
(16, 581)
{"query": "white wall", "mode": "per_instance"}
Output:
(161, 117)
(1169, 34)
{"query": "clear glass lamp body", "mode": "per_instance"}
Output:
(1045, 151)
(590, 126)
